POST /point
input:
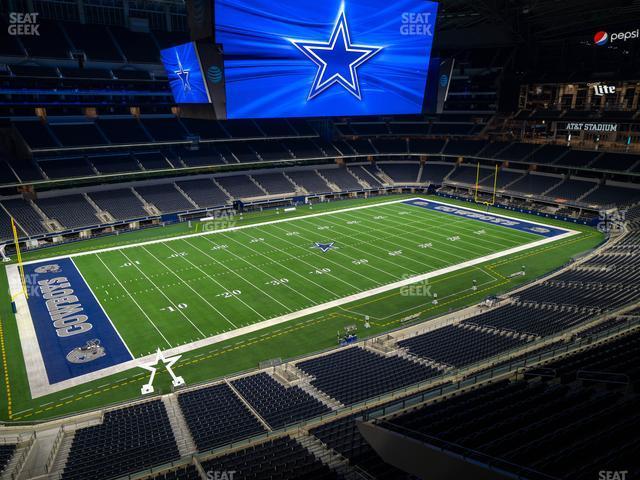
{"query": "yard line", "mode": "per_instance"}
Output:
(519, 236)
(405, 231)
(312, 266)
(345, 255)
(134, 300)
(353, 245)
(439, 226)
(192, 289)
(332, 293)
(257, 267)
(379, 240)
(179, 310)
(237, 275)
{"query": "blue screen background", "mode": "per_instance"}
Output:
(191, 89)
(267, 76)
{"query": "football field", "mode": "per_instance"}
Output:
(194, 290)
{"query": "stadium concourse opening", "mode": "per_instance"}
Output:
(347, 239)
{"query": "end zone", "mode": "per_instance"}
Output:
(62, 316)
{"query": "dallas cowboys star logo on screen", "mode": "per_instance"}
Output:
(183, 74)
(337, 60)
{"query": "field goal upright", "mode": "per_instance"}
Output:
(23, 280)
(495, 187)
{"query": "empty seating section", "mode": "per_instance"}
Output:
(435, 172)
(240, 186)
(505, 177)
(518, 151)
(343, 436)
(124, 130)
(571, 189)
(122, 204)
(275, 183)
(152, 160)
(206, 129)
(6, 231)
(548, 154)
(401, 172)
(77, 134)
(303, 148)
(164, 129)
(280, 459)
(546, 424)
(370, 174)
(493, 149)
(166, 197)
(206, 155)
(71, 211)
(94, 40)
(36, 134)
(66, 167)
(353, 375)
(469, 173)
(615, 161)
(217, 417)
(137, 47)
(533, 184)
(271, 150)
(240, 151)
(611, 195)
(129, 440)
(116, 163)
(463, 148)
(278, 405)
(340, 177)
(577, 158)
(242, 129)
(204, 192)
(530, 319)
(310, 181)
(362, 147)
(391, 146)
(459, 346)
(277, 128)
(25, 215)
(593, 295)
(6, 452)
(426, 146)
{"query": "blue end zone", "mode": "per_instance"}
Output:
(515, 224)
(67, 319)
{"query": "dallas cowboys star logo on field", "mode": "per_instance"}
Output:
(337, 59)
(325, 247)
(183, 74)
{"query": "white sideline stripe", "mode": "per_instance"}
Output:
(38, 379)
(284, 220)
(230, 229)
(102, 308)
(48, 389)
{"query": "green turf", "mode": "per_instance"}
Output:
(175, 292)
(189, 279)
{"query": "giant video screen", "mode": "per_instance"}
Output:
(324, 58)
(185, 74)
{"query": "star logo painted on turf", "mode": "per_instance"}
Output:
(183, 74)
(325, 247)
(337, 60)
(168, 362)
